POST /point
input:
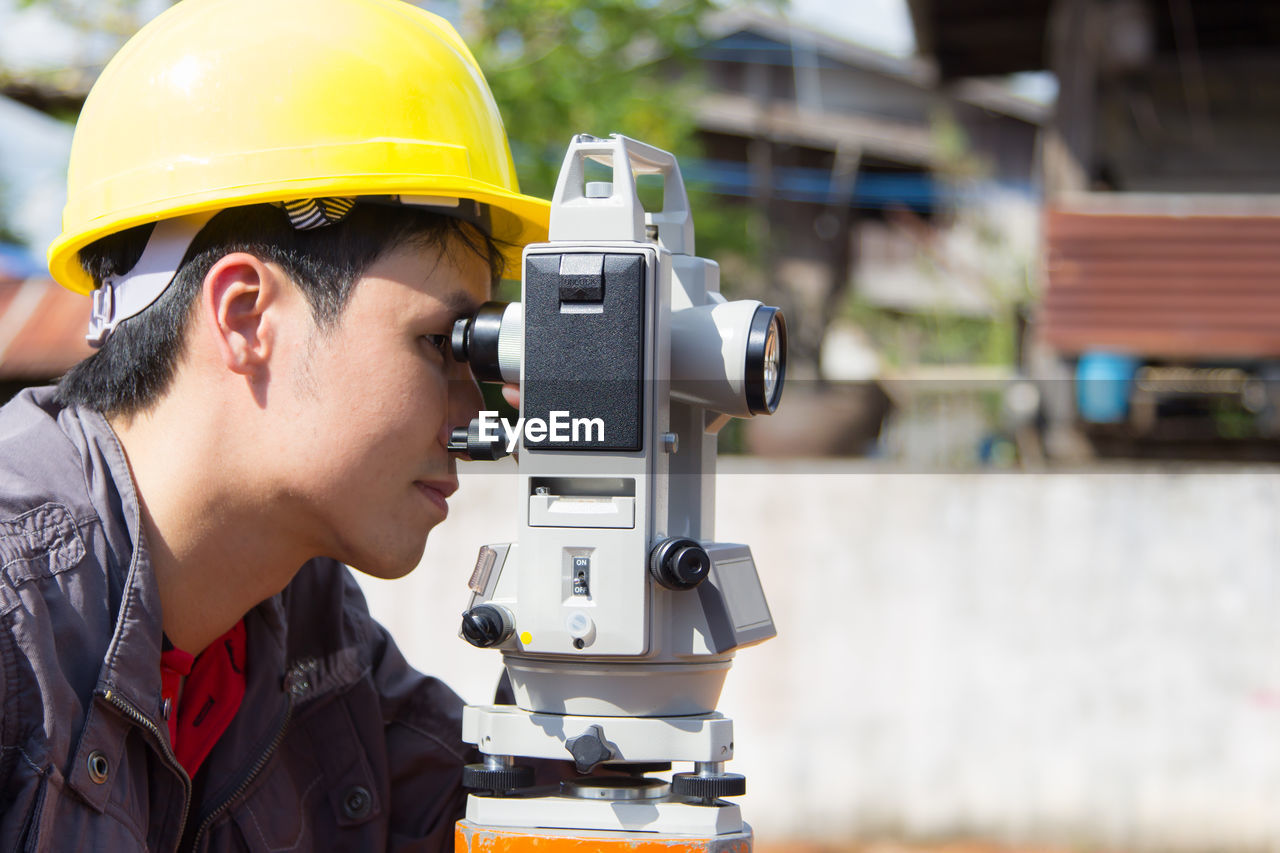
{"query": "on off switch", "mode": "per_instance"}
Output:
(581, 575)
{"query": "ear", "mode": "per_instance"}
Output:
(240, 300)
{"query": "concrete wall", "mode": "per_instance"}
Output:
(1077, 659)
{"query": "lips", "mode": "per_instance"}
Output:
(437, 492)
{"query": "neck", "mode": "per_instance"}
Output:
(213, 549)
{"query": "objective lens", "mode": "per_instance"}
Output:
(772, 368)
(766, 366)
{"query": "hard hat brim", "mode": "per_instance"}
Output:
(517, 219)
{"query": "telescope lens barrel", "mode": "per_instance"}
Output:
(766, 366)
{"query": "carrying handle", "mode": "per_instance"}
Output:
(578, 215)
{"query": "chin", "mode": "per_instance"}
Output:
(390, 563)
(384, 569)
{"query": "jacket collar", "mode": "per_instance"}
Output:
(131, 667)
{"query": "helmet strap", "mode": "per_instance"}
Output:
(306, 214)
(123, 296)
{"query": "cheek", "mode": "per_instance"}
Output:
(376, 404)
(392, 418)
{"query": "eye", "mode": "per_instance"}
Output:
(439, 342)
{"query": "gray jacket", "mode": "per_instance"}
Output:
(338, 745)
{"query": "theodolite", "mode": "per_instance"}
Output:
(616, 611)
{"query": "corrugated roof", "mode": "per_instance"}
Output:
(1163, 285)
(42, 328)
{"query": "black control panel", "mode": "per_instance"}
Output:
(584, 350)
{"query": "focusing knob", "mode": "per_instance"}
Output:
(679, 563)
(486, 625)
(499, 780)
(466, 441)
(458, 339)
(708, 788)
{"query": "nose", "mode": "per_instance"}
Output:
(465, 399)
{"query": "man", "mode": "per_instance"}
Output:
(280, 209)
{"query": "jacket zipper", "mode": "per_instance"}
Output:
(253, 773)
(138, 717)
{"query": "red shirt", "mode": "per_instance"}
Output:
(211, 696)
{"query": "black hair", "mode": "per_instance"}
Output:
(135, 365)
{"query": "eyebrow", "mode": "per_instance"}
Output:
(460, 303)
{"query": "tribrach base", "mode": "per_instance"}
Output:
(666, 815)
(472, 838)
(508, 730)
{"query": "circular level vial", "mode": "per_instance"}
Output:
(615, 789)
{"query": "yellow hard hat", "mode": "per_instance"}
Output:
(221, 103)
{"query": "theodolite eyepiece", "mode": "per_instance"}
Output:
(490, 340)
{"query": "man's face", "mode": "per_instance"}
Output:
(374, 399)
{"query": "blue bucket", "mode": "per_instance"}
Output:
(1103, 382)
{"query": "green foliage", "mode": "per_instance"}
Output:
(7, 234)
(955, 161)
(561, 67)
(936, 337)
(1231, 420)
(120, 18)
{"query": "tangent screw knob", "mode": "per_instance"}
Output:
(679, 563)
(486, 625)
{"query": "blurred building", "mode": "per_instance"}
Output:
(855, 158)
(1161, 256)
(871, 185)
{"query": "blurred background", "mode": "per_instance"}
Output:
(1016, 516)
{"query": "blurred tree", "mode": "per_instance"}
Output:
(113, 18)
(95, 29)
(7, 233)
(560, 67)
(997, 264)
